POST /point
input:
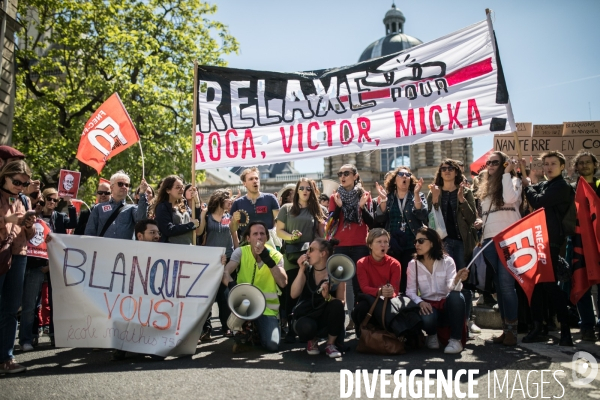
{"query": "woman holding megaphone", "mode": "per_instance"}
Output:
(320, 308)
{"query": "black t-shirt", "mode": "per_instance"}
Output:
(309, 299)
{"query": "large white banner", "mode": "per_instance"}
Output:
(144, 297)
(450, 88)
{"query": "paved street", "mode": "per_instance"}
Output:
(215, 373)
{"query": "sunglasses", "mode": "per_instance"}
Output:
(41, 203)
(492, 163)
(406, 174)
(420, 240)
(345, 173)
(17, 182)
(102, 192)
(121, 184)
(310, 250)
(449, 169)
(51, 200)
(303, 188)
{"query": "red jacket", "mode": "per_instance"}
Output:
(372, 274)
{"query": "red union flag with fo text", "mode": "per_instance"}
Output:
(524, 250)
(108, 132)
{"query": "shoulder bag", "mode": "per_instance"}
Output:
(378, 341)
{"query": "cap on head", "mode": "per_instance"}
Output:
(7, 152)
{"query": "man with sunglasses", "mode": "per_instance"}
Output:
(114, 218)
(102, 196)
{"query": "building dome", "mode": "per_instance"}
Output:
(395, 39)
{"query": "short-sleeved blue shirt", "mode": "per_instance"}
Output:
(261, 210)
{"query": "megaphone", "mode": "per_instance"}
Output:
(340, 267)
(246, 303)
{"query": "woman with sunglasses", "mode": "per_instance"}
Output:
(450, 194)
(351, 218)
(298, 222)
(173, 216)
(318, 313)
(500, 194)
(402, 211)
(14, 226)
(435, 286)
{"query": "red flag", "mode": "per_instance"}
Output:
(479, 165)
(77, 205)
(586, 242)
(107, 133)
(524, 250)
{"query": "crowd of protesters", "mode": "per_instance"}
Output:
(281, 245)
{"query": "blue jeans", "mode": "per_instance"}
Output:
(452, 315)
(11, 293)
(456, 250)
(34, 278)
(268, 329)
(355, 253)
(505, 285)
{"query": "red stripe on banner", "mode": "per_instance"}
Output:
(469, 72)
(464, 74)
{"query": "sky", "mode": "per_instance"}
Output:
(549, 48)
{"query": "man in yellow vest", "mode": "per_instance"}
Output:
(262, 267)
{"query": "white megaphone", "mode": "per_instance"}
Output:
(246, 303)
(340, 267)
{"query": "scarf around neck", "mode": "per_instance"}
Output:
(350, 200)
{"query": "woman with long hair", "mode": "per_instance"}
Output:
(435, 286)
(15, 230)
(317, 313)
(36, 267)
(500, 194)
(451, 195)
(402, 211)
(298, 223)
(215, 231)
(172, 215)
(350, 219)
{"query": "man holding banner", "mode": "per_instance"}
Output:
(114, 218)
(554, 195)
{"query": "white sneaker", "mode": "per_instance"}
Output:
(432, 341)
(454, 347)
(26, 347)
(473, 328)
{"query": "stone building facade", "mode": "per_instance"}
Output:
(8, 27)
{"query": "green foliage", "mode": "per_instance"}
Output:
(74, 54)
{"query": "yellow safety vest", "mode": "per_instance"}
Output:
(261, 278)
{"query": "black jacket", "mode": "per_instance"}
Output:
(555, 197)
(163, 215)
(60, 222)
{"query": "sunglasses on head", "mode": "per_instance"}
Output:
(406, 174)
(303, 188)
(51, 200)
(103, 192)
(492, 163)
(121, 184)
(449, 169)
(17, 182)
(344, 173)
(420, 240)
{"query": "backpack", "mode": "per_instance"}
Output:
(570, 218)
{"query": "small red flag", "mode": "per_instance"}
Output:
(586, 242)
(107, 133)
(524, 250)
(479, 165)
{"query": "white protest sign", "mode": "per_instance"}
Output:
(450, 88)
(143, 297)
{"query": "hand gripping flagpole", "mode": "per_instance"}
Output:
(194, 105)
